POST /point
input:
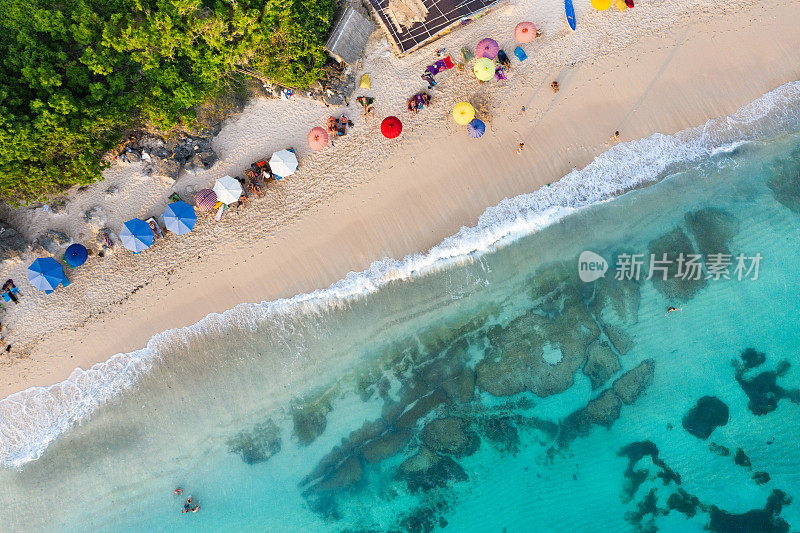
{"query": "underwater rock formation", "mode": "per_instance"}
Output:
(712, 230)
(601, 363)
(450, 436)
(258, 445)
(427, 470)
(675, 287)
(708, 413)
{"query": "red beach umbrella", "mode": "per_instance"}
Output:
(487, 48)
(525, 32)
(205, 199)
(317, 138)
(391, 127)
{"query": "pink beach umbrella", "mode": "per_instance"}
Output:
(205, 200)
(487, 48)
(525, 32)
(317, 138)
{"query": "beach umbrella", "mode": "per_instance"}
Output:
(45, 273)
(317, 138)
(283, 163)
(602, 5)
(76, 255)
(487, 48)
(391, 127)
(205, 199)
(463, 112)
(136, 235)
(484, 69)
(476, 128)
(228, 190)
(525, 32)
(179, 217)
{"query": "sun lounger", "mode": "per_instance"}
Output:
(174, 197)
(154, 227)
(520, 53)
(502, 58)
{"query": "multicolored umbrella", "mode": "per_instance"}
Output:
(487, 48)
(391, 127)
(179, 217)
(205, 199)
(525, 32)
(228, 190)
(484, 69)
(317, 138)
(283, 163)
(76, 255)
(476, 128)
(45, 273)
(136, 235)
(463, 112)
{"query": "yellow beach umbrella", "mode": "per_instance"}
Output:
(602, 5)
(484, 69)
(620, 5)
(463, 112)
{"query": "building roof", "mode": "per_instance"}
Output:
(412, 23)
(349, 35)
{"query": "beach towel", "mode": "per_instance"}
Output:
(431, 70)
(500, 74)
(440, 66)
(364, 81)
(503, 58)
(520, 53)
(448, 62)
(467, 54)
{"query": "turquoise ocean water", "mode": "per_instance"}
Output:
(480, 387)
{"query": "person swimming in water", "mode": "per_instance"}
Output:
(178, 491)
(671, 309)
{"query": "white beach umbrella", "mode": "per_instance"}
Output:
(283, 163)
(228, 190)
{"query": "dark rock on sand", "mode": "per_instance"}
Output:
(385, 446)
(712, 229)
(635, 451)
(763, 390)
(310, 419)
(428, 470)
(675, 288)
(451, 436)
(741, 458)
(633, 382)
(12, 243)
(602, 411)
(53, 241)
(719, 449)
(601, 363)
(760, 520)
(709, 413)
(258, 445)
(760, 477)
(752, 358)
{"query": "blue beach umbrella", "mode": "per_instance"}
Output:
(476, 128)
(180, 217)
(136, 235)
(76, 255)
(46, 273)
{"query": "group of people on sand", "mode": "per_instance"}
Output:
(189, 506)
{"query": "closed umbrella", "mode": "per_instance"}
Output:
(179, 217)
(463, 112)
(391, 127)
(205, 199)
(76, 255)
(487, 48)
(525, 32)
(317, 138)
(136, 235)
(476, 128)
(45, 273)
(283, 163)
(228, 190)
(602, 5)
(484, 69)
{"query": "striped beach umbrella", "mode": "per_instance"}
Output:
(136, 235)
(487, 48)
(525, 32)
(476, 128)
(179, 217)
(76, 255)
(205, 199)
(45, 273)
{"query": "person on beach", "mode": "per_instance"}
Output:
(521, 146)
(614, 137)
(554, 86)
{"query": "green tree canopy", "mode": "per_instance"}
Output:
(74, 74)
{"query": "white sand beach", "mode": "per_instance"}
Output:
(660, 67)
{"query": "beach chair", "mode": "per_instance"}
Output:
(174, 197)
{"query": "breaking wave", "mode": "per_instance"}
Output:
(30, 420)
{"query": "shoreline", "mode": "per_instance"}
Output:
(663, 83)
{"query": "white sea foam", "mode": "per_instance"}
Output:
(30, 420)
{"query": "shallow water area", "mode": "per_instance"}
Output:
(495, 391)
